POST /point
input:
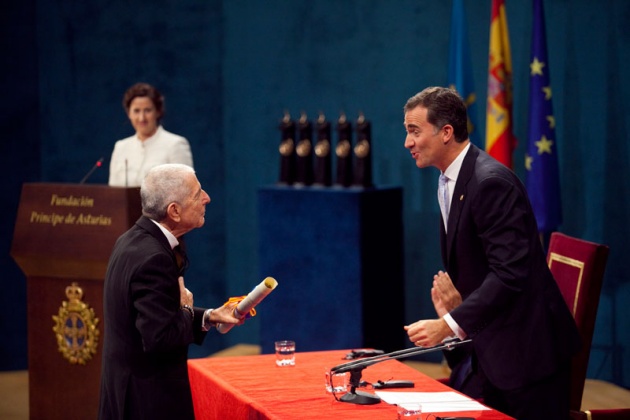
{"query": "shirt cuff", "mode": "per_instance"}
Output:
(461, 334)
(207, 324)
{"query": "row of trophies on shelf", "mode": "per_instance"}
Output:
(305, 162)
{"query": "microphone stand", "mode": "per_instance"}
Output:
(91, 171)
(356, 367)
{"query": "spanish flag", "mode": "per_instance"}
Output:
(500, 141)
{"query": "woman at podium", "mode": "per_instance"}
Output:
(151, 145)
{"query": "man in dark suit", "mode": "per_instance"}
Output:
(149, 315)
(497, 289)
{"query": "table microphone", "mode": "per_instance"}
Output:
(355, 367)
(97, 165)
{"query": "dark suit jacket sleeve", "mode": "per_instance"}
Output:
(199, 334)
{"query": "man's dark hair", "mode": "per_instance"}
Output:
(444, 106)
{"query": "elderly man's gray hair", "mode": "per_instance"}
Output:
(163, 185)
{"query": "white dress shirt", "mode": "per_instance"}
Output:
(132, 158)
(452, 172)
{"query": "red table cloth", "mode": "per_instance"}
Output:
(253, 387)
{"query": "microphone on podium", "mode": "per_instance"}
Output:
(97, 165)
(250, 301)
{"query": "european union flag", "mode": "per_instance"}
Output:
(460, 68)
(541, 160)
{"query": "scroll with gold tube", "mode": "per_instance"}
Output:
(287, 150)
(344, 151)
(249, 302)
(363, 153)
(323, 157)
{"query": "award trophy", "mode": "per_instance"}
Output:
(287, 150)
(304, 151)
(344, 151)
(323, 157)
(363, 153)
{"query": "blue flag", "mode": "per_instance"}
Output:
(541, 160)
(460, 76)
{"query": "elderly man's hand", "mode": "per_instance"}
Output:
(185, 295)
(225, 315)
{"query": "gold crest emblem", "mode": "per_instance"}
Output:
(75, 327)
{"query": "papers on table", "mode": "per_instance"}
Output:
(433, 402)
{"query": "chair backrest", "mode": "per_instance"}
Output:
(578, 268)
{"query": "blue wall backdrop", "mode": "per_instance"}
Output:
(229, 69)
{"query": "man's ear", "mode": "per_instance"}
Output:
(174, 212)
(448, 134)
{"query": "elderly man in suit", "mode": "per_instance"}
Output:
(149, 315)
(496, 288)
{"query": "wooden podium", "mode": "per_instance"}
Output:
(64, 234)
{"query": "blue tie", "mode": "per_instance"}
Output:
(443, 198)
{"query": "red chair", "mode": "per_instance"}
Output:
(578, 268)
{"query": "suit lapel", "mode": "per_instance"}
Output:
(459, 196)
